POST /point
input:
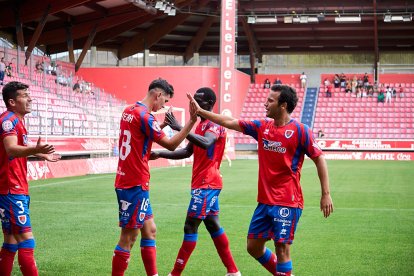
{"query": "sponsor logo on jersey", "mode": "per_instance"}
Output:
(284, 212)
(266, 132)
(22, 219)
(197, 192)
(141, 216)
(273, 146)
(124, 205)
(289, 133)
(283, 232)
(7, 125)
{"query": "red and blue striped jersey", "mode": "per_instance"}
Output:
(207, 162)
(13, 171)
(281, 152)
(138, 129)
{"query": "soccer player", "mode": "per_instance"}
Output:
(138, 130)
(282, 144)
(14, 188)
(207, 144)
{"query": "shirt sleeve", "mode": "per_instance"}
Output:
(214, 129)
(8, 127)
(154, 130)
(250, 127)
(312, 148)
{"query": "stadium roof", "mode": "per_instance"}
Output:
(128, 28)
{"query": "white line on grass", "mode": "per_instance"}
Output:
(72, 181)
(223, 205)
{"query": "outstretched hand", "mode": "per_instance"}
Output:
(194, 107)
(44, 148)
(172, 121)
(52, 157)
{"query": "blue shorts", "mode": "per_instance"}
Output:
(15, 214)
(203, 203)
(274, 222)
(134, 207)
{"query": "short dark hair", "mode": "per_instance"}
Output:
(162, 84)
(10, 90)
(209, 94)
(287, 95)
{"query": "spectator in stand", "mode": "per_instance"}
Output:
(267, 83)
(366, 80)
(329, 91)
(321, 134)
(388, 95)
(348, 87)
(360, 82)
(9, 69)
(354, 84)
(375, 87)
(401, 91)
(337, 81)
(370, 90)
(2, 70)
(277, 81)
(342, 80)
(76, 87)
(39, 66)
(303, 79)
(326, 83)
(380, 97)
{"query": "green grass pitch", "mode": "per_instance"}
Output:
(370, 232)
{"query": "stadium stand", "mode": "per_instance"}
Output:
(57, 110)
(346, 116)
(253, 107)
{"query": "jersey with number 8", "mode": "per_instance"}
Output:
(138, 129)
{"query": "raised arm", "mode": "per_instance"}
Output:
(177, 154)
(226, 121)
(326, 203)
(172, 144)
(15, 150)
(201, 141)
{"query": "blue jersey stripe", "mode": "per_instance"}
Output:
(298, 151)
(210, 151)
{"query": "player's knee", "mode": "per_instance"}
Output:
(283, 251)
(190, 228)
(253, 250)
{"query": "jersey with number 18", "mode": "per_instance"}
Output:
(138, 129)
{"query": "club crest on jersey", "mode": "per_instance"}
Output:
(7, 125)
(141, 216)
(124, 205)
(25, 140)
(156, 126)
(284, 212)
(22, 219)
(289, 133)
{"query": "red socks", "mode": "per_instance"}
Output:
(223, 249)
(120, 261)
(149, 256)
(26, 258)
(187, 248)
(268, 261)
(7, 253)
